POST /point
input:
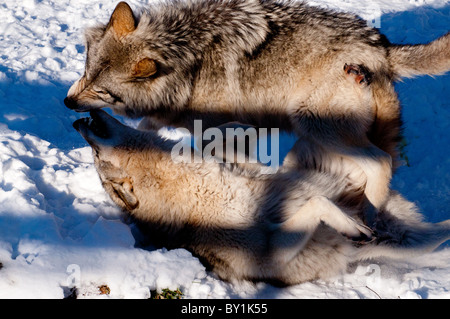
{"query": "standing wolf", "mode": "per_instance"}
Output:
(285, 227)
(325, 75)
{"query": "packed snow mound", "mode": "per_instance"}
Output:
(59, 229)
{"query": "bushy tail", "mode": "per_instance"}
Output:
(422, 59)
(414, 242)
(402, 233)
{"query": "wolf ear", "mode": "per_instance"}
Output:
(122, 20)
(123, 188)
(144, 68)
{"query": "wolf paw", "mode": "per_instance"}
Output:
(359, 73)
(363, 239)
(357, 232)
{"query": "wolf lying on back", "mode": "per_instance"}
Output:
(263, 62)
(285, 228)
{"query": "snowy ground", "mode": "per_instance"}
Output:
(58, 228)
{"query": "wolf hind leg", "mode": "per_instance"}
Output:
(377, 167)
(366, 167)
(289, 237)
(308, 154)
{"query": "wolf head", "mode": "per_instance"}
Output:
(112, 143)
(127, 71)
(123, 156)
(145, 63)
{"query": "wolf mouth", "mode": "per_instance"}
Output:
(93, 123)
(74, 106)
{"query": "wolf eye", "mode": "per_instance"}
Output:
(99, 90)
(144, 69)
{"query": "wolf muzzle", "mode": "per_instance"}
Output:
(70, 103)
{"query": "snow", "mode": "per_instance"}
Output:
(59, 229)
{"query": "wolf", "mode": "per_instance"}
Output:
(284, 228)
(325, 75)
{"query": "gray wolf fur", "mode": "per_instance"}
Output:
(284, 228)
(262, 62)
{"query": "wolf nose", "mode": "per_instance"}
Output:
(70, 103)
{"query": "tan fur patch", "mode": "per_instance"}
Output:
(122, 20)
(144, 68)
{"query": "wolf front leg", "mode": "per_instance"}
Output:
(289, 237)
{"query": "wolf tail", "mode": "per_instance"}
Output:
(421, 59)
(402, 233)
(414, 242)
